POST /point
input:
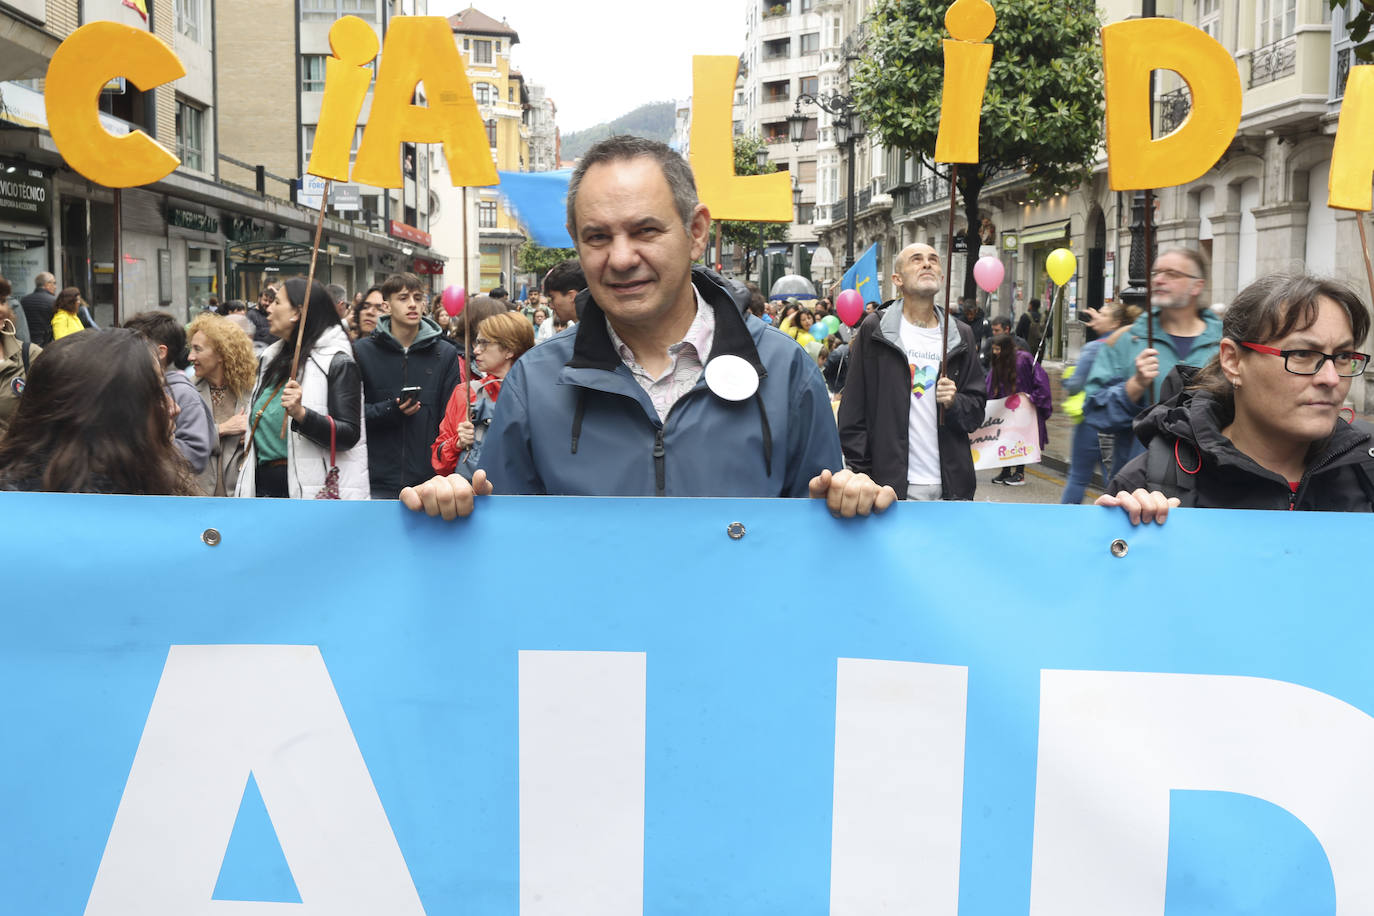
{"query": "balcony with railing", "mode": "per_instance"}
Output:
(1274, 61)
(1173, 110)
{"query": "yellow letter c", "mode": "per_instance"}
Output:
(88, 59)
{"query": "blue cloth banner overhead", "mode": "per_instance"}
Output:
(863, 276)
(540, 201)
(1184, 728)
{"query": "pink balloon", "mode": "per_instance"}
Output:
(988, 273)
(455, 298)
(849, 305)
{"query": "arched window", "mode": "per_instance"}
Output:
(483, 93)
(491, 133)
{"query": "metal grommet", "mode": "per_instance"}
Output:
(735, 530)
(210, 536)
(1371, 453)
(1119, 548)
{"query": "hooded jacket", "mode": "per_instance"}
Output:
(398, 445)
(573, 421)
(330, 387)
(875, 411)
(195, 434)
(1223, 477)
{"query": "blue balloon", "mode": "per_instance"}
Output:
(819, 330)
(767, 319)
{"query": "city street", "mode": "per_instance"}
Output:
(1043, 485)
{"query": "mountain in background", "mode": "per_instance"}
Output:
(654, 120)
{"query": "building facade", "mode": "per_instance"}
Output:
(781, 64)
(226, 221)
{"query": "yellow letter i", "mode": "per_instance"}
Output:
(967, 62)
(346, 78)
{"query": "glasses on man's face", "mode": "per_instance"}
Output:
(1169, 273)
(1309, 362)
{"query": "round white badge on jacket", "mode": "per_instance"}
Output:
(732, 378)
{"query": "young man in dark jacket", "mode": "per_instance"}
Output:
(891, 423)
(407, 350)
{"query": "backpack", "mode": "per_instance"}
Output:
(13, 376)
(1174, 470)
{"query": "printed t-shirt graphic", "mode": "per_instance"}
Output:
(922, 347)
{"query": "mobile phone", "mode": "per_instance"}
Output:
(410, 393)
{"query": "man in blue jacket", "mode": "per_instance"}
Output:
(664, 387)
(406, 351)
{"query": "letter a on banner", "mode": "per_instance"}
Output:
(420, 49)
(764, 198)
(90, 57)
(220, 714)
(1130, 52)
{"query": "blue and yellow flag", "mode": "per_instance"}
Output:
(863, 276)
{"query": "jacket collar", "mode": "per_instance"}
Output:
(890, 323)
(593, 349)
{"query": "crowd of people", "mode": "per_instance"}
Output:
(634, 371)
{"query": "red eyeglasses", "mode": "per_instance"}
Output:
(1310, 362)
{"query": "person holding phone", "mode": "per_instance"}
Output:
(409, 373)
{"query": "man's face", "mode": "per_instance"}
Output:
(266, 298)
(564, 304)
(636, 253)
(918, 271)
(406, 308)
(1001, 328)
(1174, 281)
(375, 300)
(52, 286)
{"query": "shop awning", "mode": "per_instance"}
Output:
(274, 251)
(1045, 232)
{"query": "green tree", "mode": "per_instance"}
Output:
(1359, 20)
(744, 233)
(1042, 112)
(538, 260)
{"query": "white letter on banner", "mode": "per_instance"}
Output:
(582, 783)
(899, 787)
(221, 712)
(1113, 745)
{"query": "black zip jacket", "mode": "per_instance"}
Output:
(398, 446)
(875, 410)
(1203, 468)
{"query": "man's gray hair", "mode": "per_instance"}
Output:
(336, 293)
(675, 170)
(1199, 260)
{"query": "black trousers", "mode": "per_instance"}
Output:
(271, 481)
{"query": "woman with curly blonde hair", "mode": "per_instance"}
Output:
(225, 370)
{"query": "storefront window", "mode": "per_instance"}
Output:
(202, 278)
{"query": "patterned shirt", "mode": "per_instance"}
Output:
(686, 359)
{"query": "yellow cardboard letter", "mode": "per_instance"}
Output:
(1352, 158)
(1130, 51)
(765, 198)
(88, 59)
(421, 49)
(966, 76)
(346, 79)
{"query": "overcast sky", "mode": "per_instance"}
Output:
(601, 59)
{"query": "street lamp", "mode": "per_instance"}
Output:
(848, 131)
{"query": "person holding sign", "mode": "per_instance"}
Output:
(1014, 371)
(1259, 427)
(889, 424)
(666, 388)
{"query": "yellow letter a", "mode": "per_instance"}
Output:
(421, 49)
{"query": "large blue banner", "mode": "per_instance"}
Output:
(681, 706)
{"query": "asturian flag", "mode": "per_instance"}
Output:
(863, 276)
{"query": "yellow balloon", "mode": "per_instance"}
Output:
(1060, 265)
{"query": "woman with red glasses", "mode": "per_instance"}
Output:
(1261, 425)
